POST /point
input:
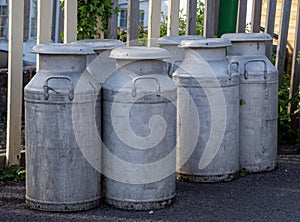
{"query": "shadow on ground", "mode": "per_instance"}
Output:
(273, 196)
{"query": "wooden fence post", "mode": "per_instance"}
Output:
(295, 79)
(113, 23)
(44, 20)
(211, 18)
(256, 15)
(154, 22)
(270, 22)
(191, 17)
(173, 18)
(133, 22)
(242, 16)
(70, 21)
(282, 41)
(15, 82)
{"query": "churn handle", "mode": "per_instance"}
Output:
(255, 60)
(230, 68)
(133, 93)
(173, 65)
(46, 87)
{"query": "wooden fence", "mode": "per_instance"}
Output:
(210, 30)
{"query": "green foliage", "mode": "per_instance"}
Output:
(89, 13)
(182, 21)
(13, 173)
(243, 173)
(286, 134)
(163, 25)
(143, 36)
(200, 18)
(242, 102)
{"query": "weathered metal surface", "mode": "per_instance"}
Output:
(100, 65)
(139, 53)
(62, 114)
(258, 101)
(139, 136)
(171, 44)
(207, 113)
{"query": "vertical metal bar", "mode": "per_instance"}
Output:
(57, 9)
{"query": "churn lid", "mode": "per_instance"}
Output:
(175, 40)
(100, 44)
(205, 43)
(62, 49)
(247, 37)
(139, 53)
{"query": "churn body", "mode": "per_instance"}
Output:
(258, 101)
(62, 109)
(207, 113)
(139, 130)
(100, 65)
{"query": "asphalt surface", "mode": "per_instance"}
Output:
(273, 196)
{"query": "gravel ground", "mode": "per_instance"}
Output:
(273, 196)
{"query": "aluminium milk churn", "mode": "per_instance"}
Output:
(62, 132)
(258, 101)
(207, 113)
(171, 44)
(139, 130)
(101, 66)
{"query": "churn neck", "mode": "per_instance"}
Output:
(100, 45)
(66, 57)
(208, 49)
(247, 44)
(140, 60)
(175, 40)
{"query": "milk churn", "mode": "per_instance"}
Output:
(101, 66)
(62, 132)
(139, 130)
(207, 113)
(258, 101)
(171, 43)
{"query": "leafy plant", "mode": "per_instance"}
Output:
(163, 24)
(92, 17)
(286, 134)
(200, 18)
(242, 102)
(182, 21)
(243, 173)
(143, 35)
(13, 173)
